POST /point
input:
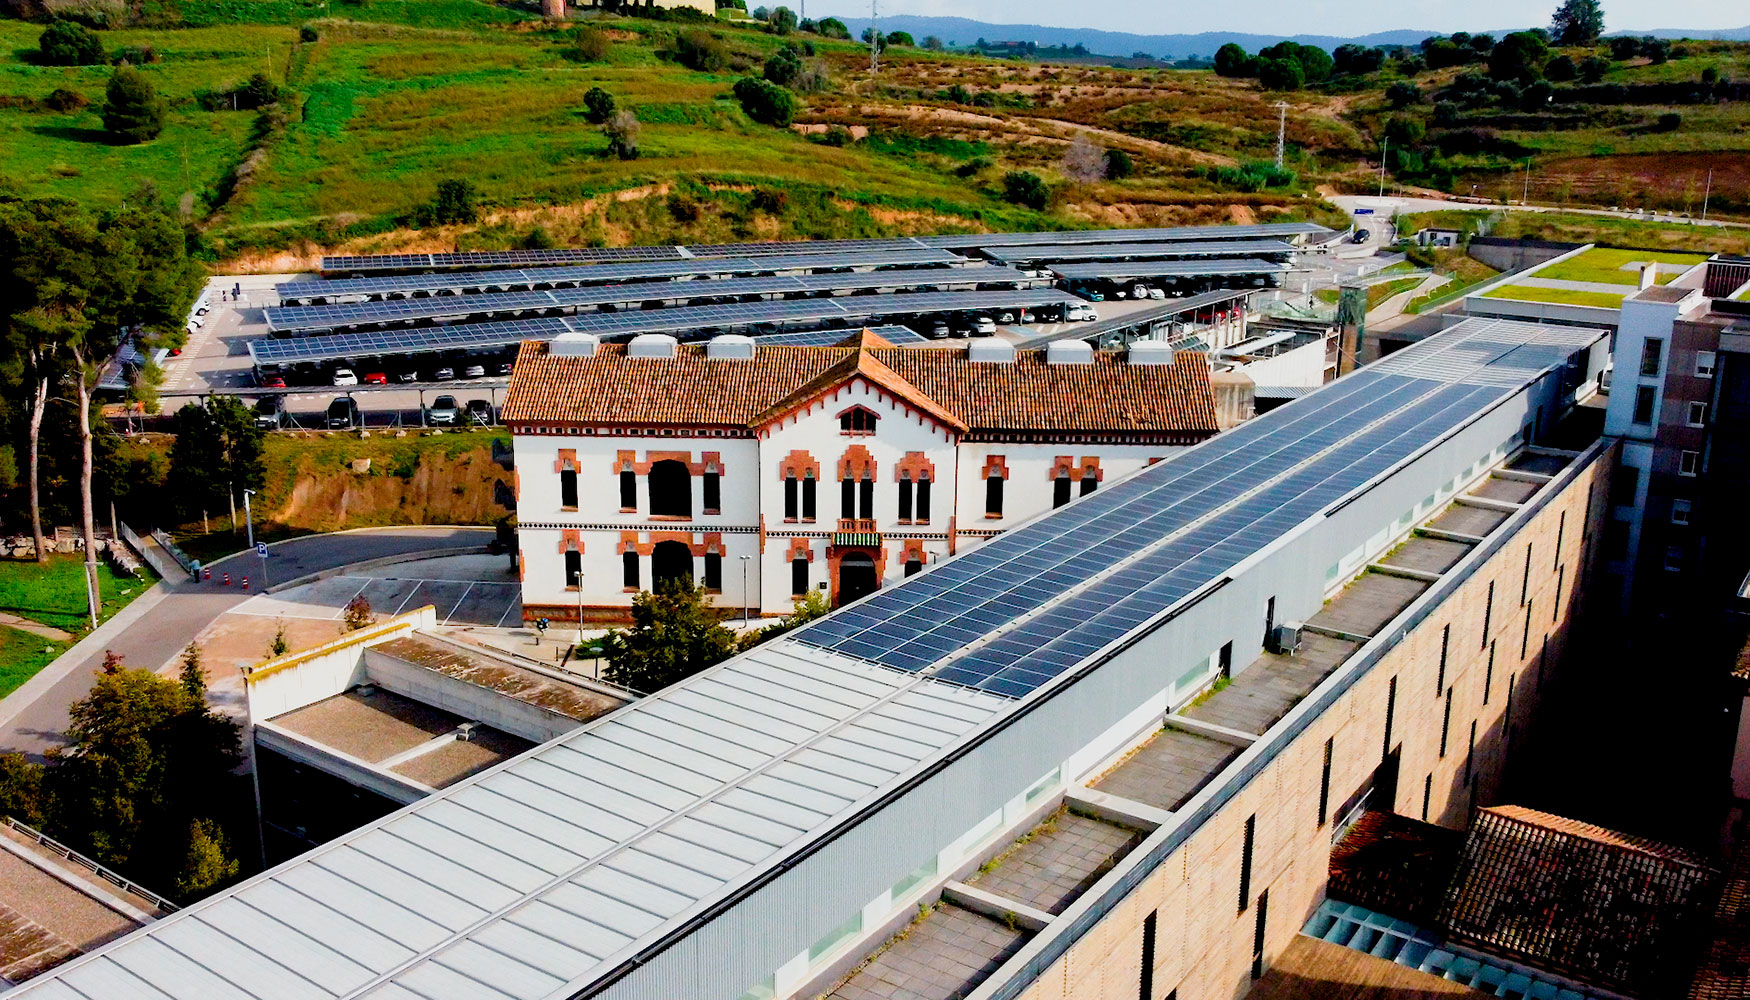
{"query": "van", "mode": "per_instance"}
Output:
(342, 414)
(270, 413)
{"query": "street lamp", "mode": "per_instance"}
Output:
(249, 519)
(577, 578)
(744, 595)
(1383, 144)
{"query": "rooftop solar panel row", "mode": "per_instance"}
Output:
(1085, 236)
(1119, 270)
(1119, 251)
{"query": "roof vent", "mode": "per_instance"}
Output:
(573, 345)
(1069, 352)
(1151, 352)
(651, 345)
(991, 351)
(730, 346)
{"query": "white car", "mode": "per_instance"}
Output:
(1155, 293)
(474, 371)
(983, 326)
(345, 376)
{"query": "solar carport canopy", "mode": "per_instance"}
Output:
(1122, 270)
(1122, 251)
(290, 319)
(1159, 312)
(603, 274)
(1080, 237)
(682, 321)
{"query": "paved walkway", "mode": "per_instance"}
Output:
(34, 628)
(153, 630)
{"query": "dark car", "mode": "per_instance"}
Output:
(479, 412)
(342, 414)
(270, 413)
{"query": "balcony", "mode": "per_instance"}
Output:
(856, 532)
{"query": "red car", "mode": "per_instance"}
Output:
(272, 382)
(376, 378)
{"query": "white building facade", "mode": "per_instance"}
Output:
(765, 473)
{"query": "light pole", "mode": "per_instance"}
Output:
(1707, 194)
(578, 577)
(1383, 143)
(249, 519)
(744, 594)
(1525, 195)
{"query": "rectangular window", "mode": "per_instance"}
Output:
(713, 571)
(629, 569)
(1704, 364)
(791, 492)
(1059, 492)
(905, 499)
(1512, 682)
(1391, 710)
(1427, 795)
(808, 504)
(1440, 674)
(1652, 356)
(913, 567)
(922, 514)
(1625, 486)
(1258, 929)
(1525, 579)
(1697, 413)
(1680, 511)
(1470, 755)
(1246, 862)
(866, 499)
(573, 569)
(1089, 482)
(1561, 529)
(1555, 605)
(1488, 613)
(1445, 723)
(1674, 559)
(847, 499)
(568, 489)
(1689, 463)
(1489, 674)
(1525, 637)
(1146, 990)
(993, 496)
(798, 577)
(628, 490)
(1325, 786)
(1269, 619)
(1646, 397)
(712, 492)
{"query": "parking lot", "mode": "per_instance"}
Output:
(465, 590)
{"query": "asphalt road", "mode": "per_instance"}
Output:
(39, 722)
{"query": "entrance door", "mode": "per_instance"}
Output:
(856, 577)
(671, 564)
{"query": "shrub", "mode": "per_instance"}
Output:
(958, 94)
(1402, 94)
(1624, 48)
(62, 99)
(259, 92)
(134, 55)
(64, 43)
(701, 50)
(783, 67)
(538, 238)
(1281, 74)
(769, 200)
(766, 102)
(358, 613)
(308, 33)
(453, 204)
(598, 105)
(1561, 69)
(1657, 50)
(1593, 68)
(1710, 75)
(589, 45)
(1024, 187)
(835, 135)
(984, 99)
(972, 167)
(1537, 95)
(683, 208)
(1403, 131)
(1519, 56)
(622, 132)
(132, 111)
(1119, 165)
(1670, 121)
(782, 20)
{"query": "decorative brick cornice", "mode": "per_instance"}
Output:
(857, 463)
(567, 461)
(800, 548)
(997, 465)
(570, 540)
(799, 464)
(915, 467)
(1065, 466)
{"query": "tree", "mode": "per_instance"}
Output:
(1119, 165)
(207, 862)
(64, 43)
(832, 27)
(1578, 22)
(132, 112)
(932, 43)
(1624, 47)
(1560, 69)
(1355, 60)
(1084, 162)
(701, 50)
(1404, 132)
(1402, 94)
(901, 38)
(766, 102)
(452, 204)
(1281, 74)
(217, 454)
(1231, 60)
(191, 675)
(590, 44)
(782, 20)
(279, 646)
(674, 635)
(1657, 50)
(1593, 68)
(1024, 187)
(1520, 57)
(783, 67)
(622, 133)
(598, 105)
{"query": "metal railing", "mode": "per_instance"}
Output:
(124, 884)
(189, 566)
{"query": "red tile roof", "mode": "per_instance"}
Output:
(1027, 395)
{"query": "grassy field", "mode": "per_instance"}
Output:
(55, 594)
(1616, 267)
(1573, 227)
(1466, 271)
(22, 655)
(1557, 296)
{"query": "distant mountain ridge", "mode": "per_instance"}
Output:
(965, 31)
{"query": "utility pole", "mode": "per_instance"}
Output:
(1707, 193)
(579, 578)
(1525, 195)
(1383, 145)
(1281, 130)
(874, 38)
(744, 595)
(261, 553)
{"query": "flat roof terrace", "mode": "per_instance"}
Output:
(414, 740)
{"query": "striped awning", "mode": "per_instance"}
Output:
(856, 539)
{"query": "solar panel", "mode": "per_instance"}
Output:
(1083, 236)
(1159, 312)
(1029, 604)
(1165, 269)
(899, 336)
(600, 274)
(1116, 251)
(384, 312)
(803, 246)
(498, 258)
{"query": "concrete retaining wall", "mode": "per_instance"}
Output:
(1513, 255)
(295, 680)
(459, 697)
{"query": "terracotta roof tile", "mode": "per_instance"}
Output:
(1110, 395)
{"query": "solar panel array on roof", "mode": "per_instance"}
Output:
(497, 258)
(1024, 607)
(292, 318)
(1084, 236)
(602, 274)
(1165, 269)
(802, 246)
(898, 336)
(1149, 251)
(1160, 312)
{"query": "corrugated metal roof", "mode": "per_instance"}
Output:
(536, 873)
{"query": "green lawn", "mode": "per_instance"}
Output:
(1558, 296)
(1617, 267)
(22, 655)
(55, 594)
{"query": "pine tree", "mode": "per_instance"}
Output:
(1578, 22)
(132, 112)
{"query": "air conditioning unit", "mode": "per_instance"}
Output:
(465, 731)
(1285, 638)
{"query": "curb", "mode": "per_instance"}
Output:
(470, 550)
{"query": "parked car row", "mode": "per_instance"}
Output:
(383, 371)
(343, 413)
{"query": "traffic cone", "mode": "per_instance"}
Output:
(207, 572)
(245, 583)
(227, 579)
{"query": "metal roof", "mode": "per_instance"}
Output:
(583, 857)
(602, 274)
(1164, 311)
(1281, 230)
(1117, 270)
(1148, 251)
(355, 314)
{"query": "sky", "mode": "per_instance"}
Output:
(1323, 17)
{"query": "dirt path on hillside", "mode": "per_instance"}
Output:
(1040, 129)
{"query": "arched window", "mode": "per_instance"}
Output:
(671, 563)
(857, 420)
(671, 489)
